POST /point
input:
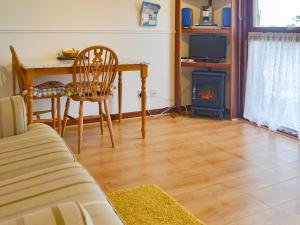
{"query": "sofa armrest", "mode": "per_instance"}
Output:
(13, 118)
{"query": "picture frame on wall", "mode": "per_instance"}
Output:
(149, 14)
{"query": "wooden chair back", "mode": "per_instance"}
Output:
(94, 71)
(17, 70)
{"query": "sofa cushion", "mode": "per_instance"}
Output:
(71, 213)
(12, 116)
(47, 187)
(40, 147)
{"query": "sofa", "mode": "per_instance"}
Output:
(38, 170)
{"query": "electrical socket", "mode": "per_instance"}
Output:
(150, 93)
(153, 93)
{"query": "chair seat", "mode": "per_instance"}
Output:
(69, 89)
(48, 89)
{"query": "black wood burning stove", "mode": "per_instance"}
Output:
(208, 93)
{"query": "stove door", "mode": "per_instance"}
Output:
(208, 92)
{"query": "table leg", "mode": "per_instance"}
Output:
(29, 84)
(144, 74)
(120, 96)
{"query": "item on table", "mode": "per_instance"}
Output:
(70, 53)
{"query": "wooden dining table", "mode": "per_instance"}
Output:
(34, 68)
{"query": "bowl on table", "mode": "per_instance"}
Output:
(70, 53)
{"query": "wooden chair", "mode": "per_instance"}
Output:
(50, 89)
(94, 71)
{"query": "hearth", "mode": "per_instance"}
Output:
(208, 93)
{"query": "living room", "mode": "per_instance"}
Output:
(149, 112)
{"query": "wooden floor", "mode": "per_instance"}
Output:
(224, 172)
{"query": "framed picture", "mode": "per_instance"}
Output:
(149, 14)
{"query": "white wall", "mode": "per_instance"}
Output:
(39, 28)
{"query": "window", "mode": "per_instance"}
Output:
(275, 13)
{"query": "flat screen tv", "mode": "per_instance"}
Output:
(207, 47)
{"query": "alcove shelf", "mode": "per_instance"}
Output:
(206, 65)
(205, 31)
(232, 62)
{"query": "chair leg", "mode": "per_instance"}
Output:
(53, 111)
(101, 116)
(65, 117)
(58, 115)
(109, 123)
(80, 126)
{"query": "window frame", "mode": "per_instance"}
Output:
(252, 28)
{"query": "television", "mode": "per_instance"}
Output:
(207, 47)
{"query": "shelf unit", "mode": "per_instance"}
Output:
(232, 66)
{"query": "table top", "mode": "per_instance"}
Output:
(55, 63)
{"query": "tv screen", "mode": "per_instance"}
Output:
(207, 47)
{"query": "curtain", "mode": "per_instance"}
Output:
(273, 81)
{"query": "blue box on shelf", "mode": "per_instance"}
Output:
(187, 17)
(226, 17)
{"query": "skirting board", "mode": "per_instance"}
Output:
(95, 119)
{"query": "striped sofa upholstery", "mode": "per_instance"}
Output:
(47, 187)
(40, 147)
(12, 116)
(38, 171)
(70, 213)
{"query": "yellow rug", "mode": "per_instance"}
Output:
(149, 205)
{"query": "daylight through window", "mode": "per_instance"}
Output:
(275, 13)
